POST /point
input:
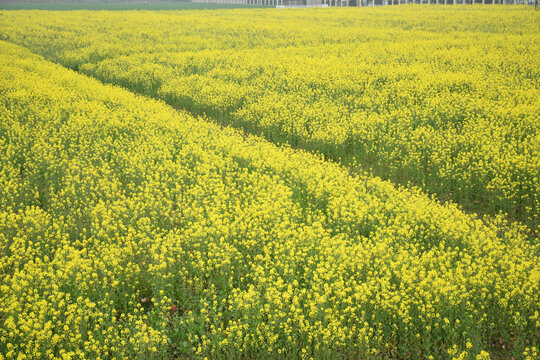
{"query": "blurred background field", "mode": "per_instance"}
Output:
(119, 5)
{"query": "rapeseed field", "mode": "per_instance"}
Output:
(376, 196)
(444, 98)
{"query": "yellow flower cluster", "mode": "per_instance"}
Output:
(131, 230)
(445, 99)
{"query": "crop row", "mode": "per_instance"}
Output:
(444, 99)
(131, 230)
